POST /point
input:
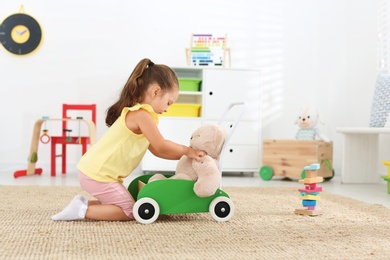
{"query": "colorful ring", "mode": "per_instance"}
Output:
(45, 138)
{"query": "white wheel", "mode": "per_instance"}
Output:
(146, 210)
(221, 209)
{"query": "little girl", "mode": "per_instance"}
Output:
(132, 121)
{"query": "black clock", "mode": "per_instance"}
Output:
(20, 34)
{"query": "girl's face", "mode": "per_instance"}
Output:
(163, 100)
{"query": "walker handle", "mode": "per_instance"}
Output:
(232, 129)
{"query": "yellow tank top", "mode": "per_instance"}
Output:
(118, 152)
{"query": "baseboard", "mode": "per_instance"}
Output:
(12, 167)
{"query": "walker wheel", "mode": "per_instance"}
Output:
(221, 208)
(146, 210)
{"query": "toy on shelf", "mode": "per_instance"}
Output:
(310, 194)
(387, 178)
(64, 139)
(208, 50)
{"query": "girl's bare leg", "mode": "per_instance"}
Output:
(94, 202)
(97, 211)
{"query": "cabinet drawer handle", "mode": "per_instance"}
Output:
(231, 150)
(210, 93)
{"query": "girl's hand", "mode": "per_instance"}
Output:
(195, 154)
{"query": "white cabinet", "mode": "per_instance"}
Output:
(219, 88)
(223, 86)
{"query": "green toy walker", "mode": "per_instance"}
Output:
(171, 196)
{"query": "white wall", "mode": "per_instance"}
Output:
(310, 52)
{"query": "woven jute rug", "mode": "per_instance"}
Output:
(264, 226)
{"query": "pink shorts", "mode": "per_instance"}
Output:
(112, 193)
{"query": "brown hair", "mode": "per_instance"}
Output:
(144, 74)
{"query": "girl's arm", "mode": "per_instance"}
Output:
(142, 122)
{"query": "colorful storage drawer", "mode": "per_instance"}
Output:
(189, 84)
(183, 110)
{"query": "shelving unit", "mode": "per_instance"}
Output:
(219, 87)
(191, 97)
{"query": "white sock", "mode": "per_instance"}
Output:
(74, 211)
(83, 200)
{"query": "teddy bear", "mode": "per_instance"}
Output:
(206, 174)
(307, 121)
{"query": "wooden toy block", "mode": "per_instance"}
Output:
(310, 197)
(310, 186)
(311, 174)
(312, 167)
(309, 193)
(312, 180)
(315, 190)
(307, 203)
(287, 158)
(308, 212)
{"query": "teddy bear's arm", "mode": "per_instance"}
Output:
(322, 136)
(209, 176)
(184, 169)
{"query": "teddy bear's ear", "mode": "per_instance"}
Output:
(214, 142)
(297, 120)
(319, 118)
(220, 137)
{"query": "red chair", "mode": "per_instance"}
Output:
(67, 138)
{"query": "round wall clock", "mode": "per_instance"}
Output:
(20, 34)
